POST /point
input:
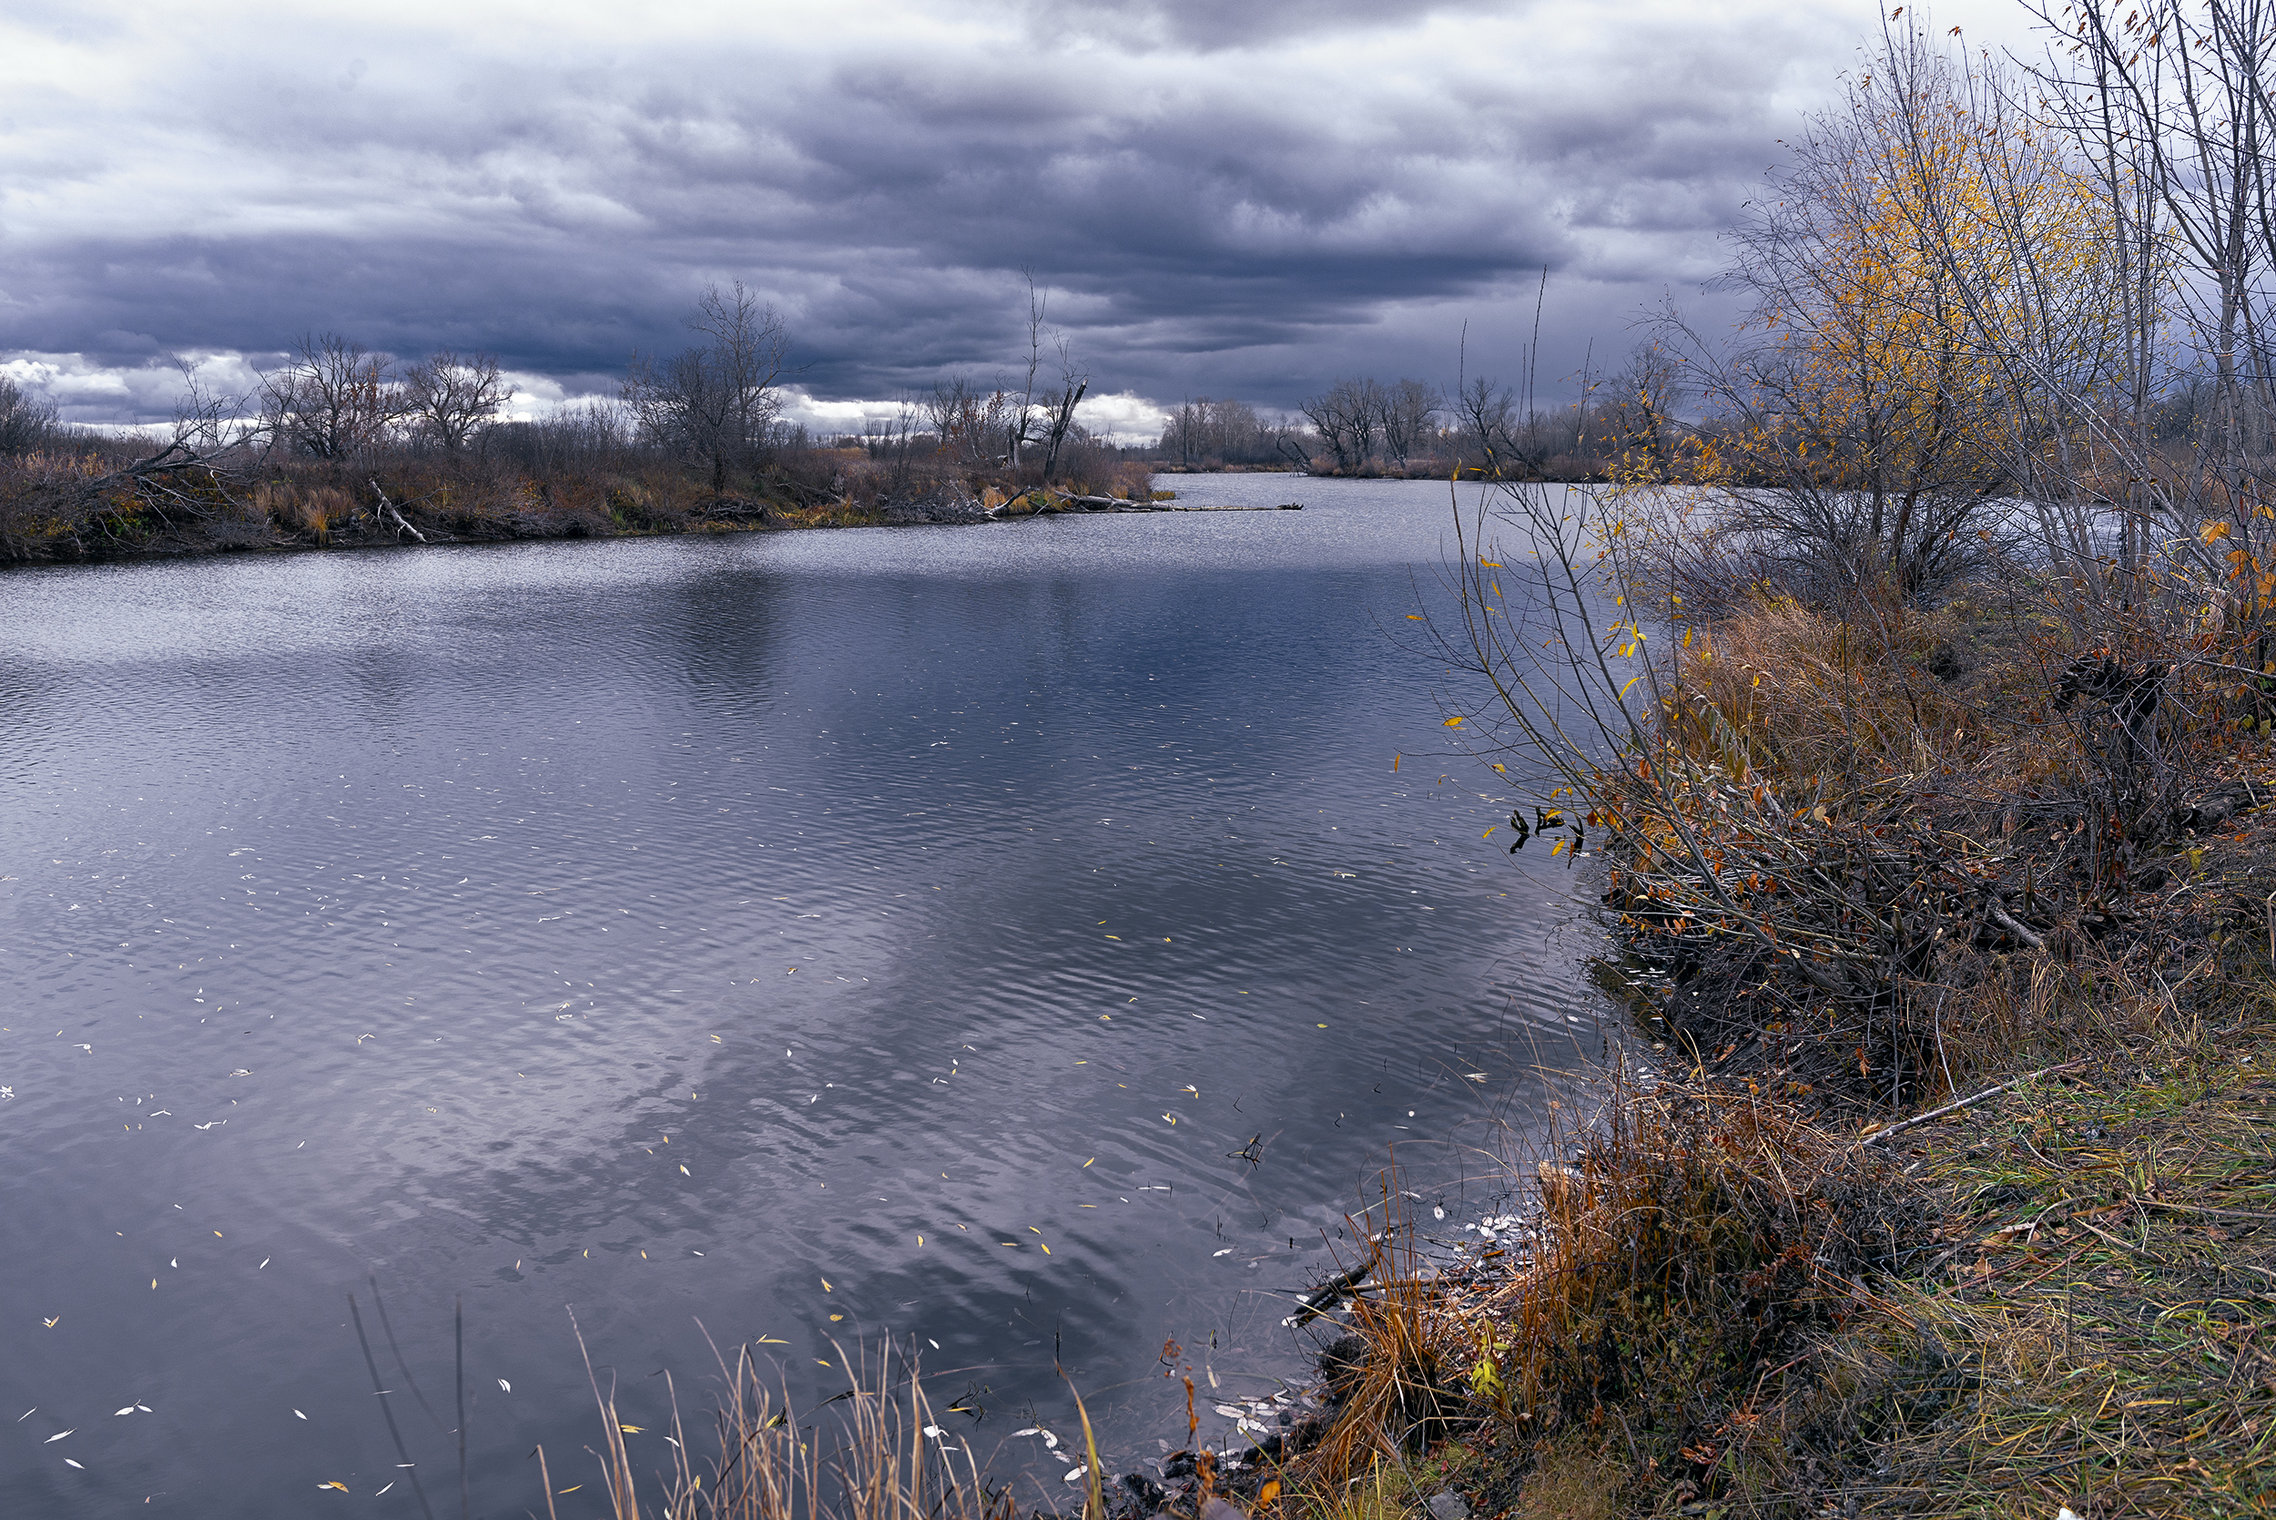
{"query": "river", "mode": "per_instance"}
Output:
(1014, 939)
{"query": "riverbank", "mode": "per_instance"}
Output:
(177, 502)
(1990, 1230)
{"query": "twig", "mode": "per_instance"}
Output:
(2023, 936)
(1950, 1108)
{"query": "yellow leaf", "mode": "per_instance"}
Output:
(1500, 767)
(2213, 532)
(1268, 1493)
(1455, 721)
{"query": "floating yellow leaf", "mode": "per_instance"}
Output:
(1455, 721)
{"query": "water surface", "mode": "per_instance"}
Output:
(915, 926)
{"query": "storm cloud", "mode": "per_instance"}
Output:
(1218, 199)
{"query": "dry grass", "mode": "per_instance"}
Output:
(872, 1452)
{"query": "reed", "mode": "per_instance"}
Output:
(871, 1452)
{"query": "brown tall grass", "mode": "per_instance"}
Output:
(873, 1452)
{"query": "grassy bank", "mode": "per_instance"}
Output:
(108, 503)
(1953, 1191)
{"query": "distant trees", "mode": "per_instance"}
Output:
(716, 399)
(1363, 421)
(1206, 431)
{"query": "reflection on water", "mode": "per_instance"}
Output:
(819, 935)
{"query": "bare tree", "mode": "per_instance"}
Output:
(1348, 418)
(334, 399)
(26, 422)
(1059, 411)
(449, 397)
(716, 400)
(1407, 414)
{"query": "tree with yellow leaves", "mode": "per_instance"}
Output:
(1931, 275)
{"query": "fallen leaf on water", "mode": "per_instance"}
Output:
(301, 1415)
(631, 1430)
(335, 1483)
(59, 1435)
(508, 1387)
(67, 1462)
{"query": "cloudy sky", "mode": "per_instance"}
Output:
(1222, 197)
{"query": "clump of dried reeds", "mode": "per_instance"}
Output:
(1684, 1271)
(871, 1452)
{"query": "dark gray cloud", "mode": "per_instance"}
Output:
(1220, 199)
